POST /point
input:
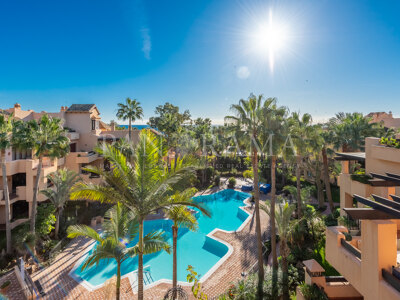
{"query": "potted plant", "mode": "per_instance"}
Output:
(231, 182)
(4, 287)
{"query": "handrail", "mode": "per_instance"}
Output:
(353, 250)
(391, 280)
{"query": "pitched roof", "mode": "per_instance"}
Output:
(80, 107)
(4, 112)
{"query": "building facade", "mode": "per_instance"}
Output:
(368, 255)
(85, 131)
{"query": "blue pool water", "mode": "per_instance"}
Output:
(194, 248)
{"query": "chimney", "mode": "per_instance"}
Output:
(112, 124)
(17, 106)
(390, 114)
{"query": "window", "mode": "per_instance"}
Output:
(93, 124)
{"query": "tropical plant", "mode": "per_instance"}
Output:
(181, 217)
(6, 125)
(144, 184)
(130, 111)
(231, 182)
(193, 277)
(351, 129)
(248, 121)
(47, 138)
(284, 226)
(300, 127)
(119, 229)
(62, 180)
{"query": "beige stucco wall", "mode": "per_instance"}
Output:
(379, 250)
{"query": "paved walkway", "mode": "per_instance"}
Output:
(59, 285)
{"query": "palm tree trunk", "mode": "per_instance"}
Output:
(258, 225)
(273, 230)
(118, 285)
(7, 200)
(272, 221)
(298, 185)
(130, 129)
(326, 179)
(175, 262)
(285, 277)
(140, 263)
(320, 191)
(35, 195)
(57, 225)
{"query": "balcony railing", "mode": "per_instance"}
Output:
(350, 248)
(391, 279)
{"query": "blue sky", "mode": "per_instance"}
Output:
(338, 55)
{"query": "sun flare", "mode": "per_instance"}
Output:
(269, 38)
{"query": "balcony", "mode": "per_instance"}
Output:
(84, 157)
(73, 136)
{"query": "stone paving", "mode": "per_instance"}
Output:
(59, 285)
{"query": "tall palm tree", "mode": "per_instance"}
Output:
(285, 226)
(275, 131)
(5, 142)
(130, 111)
(248, 120)
(63, 180)
(300, 127)
(181, 217)
(144, 184)
(47, 138)
(119, 229)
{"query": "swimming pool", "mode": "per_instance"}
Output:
(194, 248)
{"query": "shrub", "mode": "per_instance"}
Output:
(217, 180)
(248, 174)
(312, 292)
(231, 182)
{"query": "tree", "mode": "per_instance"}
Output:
(131, 111)
(63, 180)
(119, 229)
(169, 121)
(351, 129)
(275, 131)
(47, 138)
(248, 120)
(181, 217)
(5, 142)
(300, 127)
(284, 226)
(144, 184)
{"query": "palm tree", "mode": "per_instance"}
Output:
(300, 127)
(5, 131)
(120, 227)
(275, 131)
(351, 129)
(284, 226)
(144, 184)
(131, 111)
(248, 120)
(181, 217)
(63, 180)
(47, 138)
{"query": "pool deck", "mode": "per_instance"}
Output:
(59, 285)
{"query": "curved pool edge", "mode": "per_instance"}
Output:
(210, 235)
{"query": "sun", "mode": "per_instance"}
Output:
(269, 38)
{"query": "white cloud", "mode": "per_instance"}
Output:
(243, 72)
(146, 48)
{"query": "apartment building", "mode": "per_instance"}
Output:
(85, 131)
(367, 250)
